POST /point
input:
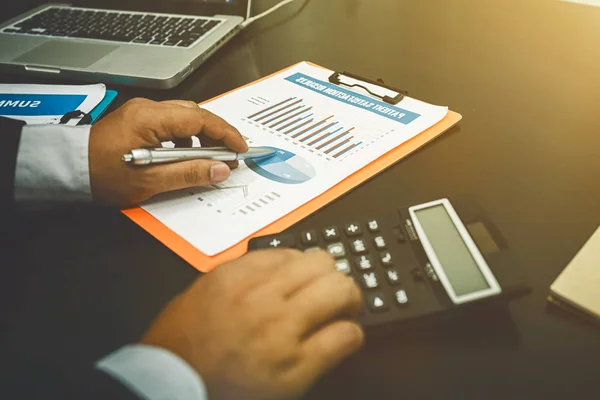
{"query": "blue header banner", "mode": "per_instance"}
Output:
(39, 104)
(352, 98)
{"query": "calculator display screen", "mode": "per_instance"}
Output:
(458, 263)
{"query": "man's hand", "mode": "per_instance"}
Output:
(145, 123)
(265, 326)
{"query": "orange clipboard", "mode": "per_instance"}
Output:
(205, 263)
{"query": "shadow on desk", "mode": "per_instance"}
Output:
(486, 326)
(410, 363)
(572, 316)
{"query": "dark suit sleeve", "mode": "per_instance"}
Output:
(10, 134)
(10, 129)
(87, 383)
(60, 382)
(94, 384)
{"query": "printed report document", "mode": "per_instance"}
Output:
(322, 133)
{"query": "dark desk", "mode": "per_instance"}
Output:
(524, 75)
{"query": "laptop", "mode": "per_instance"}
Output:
(141, 49)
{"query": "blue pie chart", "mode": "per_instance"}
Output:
(283, 166)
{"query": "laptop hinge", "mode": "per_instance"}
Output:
(42, 69)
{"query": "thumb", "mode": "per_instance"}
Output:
(186, 174)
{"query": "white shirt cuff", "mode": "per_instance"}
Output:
(52, 164)
(154, 373)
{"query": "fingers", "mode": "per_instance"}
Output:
(253, 268)
(207, 141)
(303, 270)
(327, 348)
(258, 266)
(315, 290)
(233, 164)
(183, 103)
(176, 119)
(186, 143)
(325, 299)
(183, 142)
(218, 129)
(187, 174)
(279, 258)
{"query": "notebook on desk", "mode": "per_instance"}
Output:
(577, 288)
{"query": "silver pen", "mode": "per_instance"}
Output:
(164, 154)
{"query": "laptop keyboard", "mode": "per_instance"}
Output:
(115, 26)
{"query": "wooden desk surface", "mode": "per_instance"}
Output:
(525, 77)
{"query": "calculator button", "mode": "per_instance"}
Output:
(386, 259)
(336, 250)
(352, 229)
(401, 297)
(379, 242)
(343, 266)
(273, 242)
(377, 302)
(331, 233)
(309, 238)
(373, 225)
(364, 262)
(369, 280)
(392, 277)
(358, 246)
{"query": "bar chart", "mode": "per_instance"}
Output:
(320, 131)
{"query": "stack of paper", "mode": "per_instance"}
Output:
(577, 288)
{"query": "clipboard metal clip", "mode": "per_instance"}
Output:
(335, 79)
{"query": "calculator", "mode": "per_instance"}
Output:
(416, 262)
